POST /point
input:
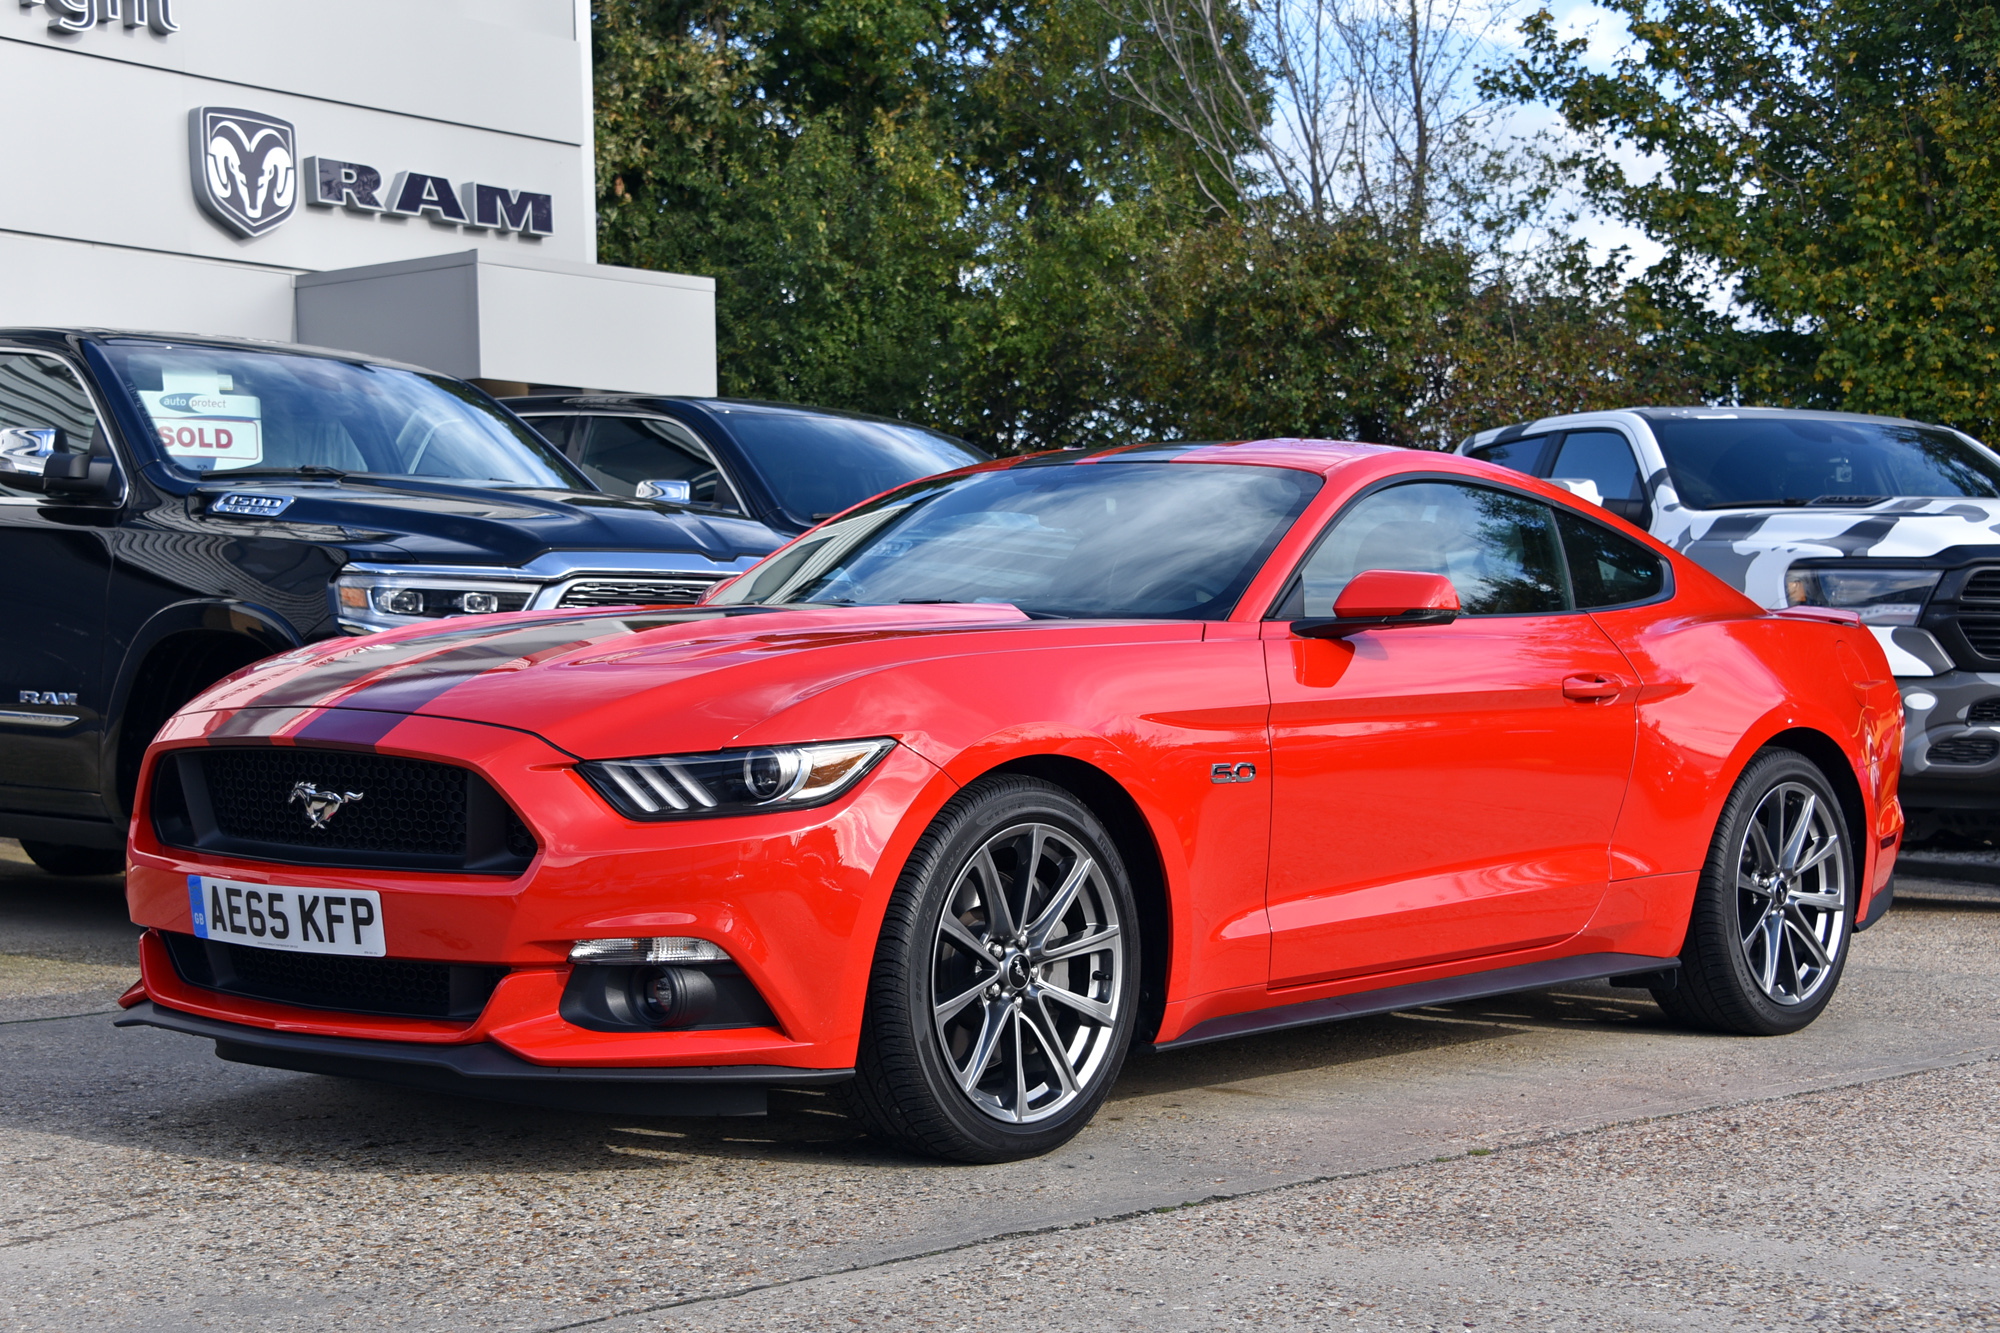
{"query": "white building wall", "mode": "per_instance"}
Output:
(99, 223)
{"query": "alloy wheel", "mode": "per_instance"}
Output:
(1791, 894)
(1027, 984)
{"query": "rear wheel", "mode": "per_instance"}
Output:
(60, 859)
(1006, 980)
(1767, 939)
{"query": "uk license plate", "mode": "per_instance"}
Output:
(274, 916)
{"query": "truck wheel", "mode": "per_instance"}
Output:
(60, 859)
(1006, 980)
(1767, 938)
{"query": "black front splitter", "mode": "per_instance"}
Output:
(483, 1069)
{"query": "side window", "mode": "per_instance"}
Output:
(620, 452)
(1520, 455)
(1603, 457)
(1607, 569)
(558, 430)
(1499, 550)
(37, 392)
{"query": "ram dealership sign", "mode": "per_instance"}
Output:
(83, 15)
(248, 176)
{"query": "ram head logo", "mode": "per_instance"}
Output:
(321, 806)
(245, 163)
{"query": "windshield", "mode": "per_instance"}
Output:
(817, 466)
(1103, 540)
(222, 410)
(1731, 462)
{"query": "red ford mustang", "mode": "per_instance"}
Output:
(961, 794)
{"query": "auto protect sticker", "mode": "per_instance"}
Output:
(210, 431)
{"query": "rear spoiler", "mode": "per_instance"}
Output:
(1826, 614)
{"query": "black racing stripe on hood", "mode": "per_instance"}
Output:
(349, 726)
(407, 690)
(322, 681)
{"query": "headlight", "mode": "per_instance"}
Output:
(733, 782)
(384, 599)
(1881, 596)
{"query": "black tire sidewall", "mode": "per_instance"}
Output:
(978, 813)
(1722, 993)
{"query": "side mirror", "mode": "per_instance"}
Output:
(25, 451)
(1583, 488)
(673, 492)
(1385, 599)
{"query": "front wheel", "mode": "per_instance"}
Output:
(1006, 981)
(1767, 938)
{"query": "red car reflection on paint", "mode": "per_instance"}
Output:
(966, 791)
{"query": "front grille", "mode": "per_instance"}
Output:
(397, 987)
(409, 814)
(1964, 750)
(1986, 710)
(683, 590)
(1983, 587)
(406, 805)
(1982, 633)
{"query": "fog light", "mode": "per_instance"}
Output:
(676, 996)
(670, 949)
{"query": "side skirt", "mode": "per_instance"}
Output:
(1444, 990)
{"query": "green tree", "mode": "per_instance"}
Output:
(1831, 164)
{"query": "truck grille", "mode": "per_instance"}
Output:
(1982, 587)
(411, 814)
(1982, 633)
(679, 590)
(397, 987)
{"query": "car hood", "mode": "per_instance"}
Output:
(1751, 548)
(448, 523)
(609, 684)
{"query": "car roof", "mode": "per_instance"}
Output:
(523, 403)
(92, 334)
(1699, 412)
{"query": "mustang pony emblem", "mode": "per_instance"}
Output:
(321, 806)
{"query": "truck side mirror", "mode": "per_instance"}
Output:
(673, 492)
(25, 451)
(1385, 599)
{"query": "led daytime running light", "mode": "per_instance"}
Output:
(726, 782)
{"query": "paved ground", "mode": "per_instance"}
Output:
(1559, 1160)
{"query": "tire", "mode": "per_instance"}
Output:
(915, 1084)
(60, 859)
(1755, 963)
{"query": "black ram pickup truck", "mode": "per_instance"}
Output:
(173, 509)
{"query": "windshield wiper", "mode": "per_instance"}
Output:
(307, 470)
(1847, 499)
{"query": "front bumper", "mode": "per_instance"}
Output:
(485, 1069)
(795, 898)
(1951, 765)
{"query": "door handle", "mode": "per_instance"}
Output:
(1592, 687)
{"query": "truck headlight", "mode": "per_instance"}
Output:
(733, 782)
(1881, 596)
(379, 599)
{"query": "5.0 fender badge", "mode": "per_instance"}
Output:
(1232, 773)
